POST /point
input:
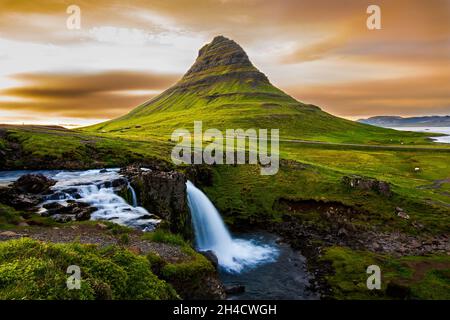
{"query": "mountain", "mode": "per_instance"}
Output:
(395, 121)
(226, 91)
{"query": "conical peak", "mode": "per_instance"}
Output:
(221, 55)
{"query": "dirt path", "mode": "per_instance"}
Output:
(93, 234)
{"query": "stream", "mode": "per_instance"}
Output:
(257, 261)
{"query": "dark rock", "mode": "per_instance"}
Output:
(103, 171)
(84, 214)
(63, 218)
(34, 184)
(148, 216)
(53, 207)
(164, 193)
(342, 232)
(211, 256)
(79, 211)
(200, 175)
(234, 290)
(398, 290)
(367, 184)
(17, 200)
(119, 182)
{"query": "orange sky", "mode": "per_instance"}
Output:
(126, 52)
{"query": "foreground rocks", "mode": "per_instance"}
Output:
(27, 192)
(74, 210)
(34, 184)
(164, 194)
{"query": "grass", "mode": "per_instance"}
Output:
(422, 277)
(164, 236)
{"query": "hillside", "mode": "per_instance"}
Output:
(225, 90)
(396, 121)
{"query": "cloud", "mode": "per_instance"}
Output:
(326, 42)
(403, 96)
(104, 94)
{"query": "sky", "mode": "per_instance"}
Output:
(126, 52)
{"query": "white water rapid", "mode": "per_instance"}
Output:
(95, 187)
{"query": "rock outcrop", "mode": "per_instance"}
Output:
(27, 192)
(33, 183)
(74, 210)
(367, 184)
(163, 193)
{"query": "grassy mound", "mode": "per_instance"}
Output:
(35, 270)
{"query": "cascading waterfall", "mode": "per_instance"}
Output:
(211, 234)
(133, 195)
(95, 188)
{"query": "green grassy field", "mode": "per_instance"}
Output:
(228, 95)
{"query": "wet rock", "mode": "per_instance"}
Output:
(103, 171)
(234, 290)
(211, 256)
(367, 184)
(164, 193)
(200, 175)
(21, 201)
(119, 182)
(52, 208)
(148, 216)
(79, 211)
(34, 184)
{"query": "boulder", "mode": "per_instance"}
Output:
(164, 194)
(211, 256)
(235, 289)
(17, 200)
(200, 175)
(367, 184)
(34, 184)
(79, 211)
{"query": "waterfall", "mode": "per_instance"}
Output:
(133, 195)
(234, 255)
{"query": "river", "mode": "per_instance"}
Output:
(258, 261)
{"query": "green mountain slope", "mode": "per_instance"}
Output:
(225, 90)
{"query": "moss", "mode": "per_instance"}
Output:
(35, 270)
(9, 217)
(349, 278)
(165, 236)
(188, 277)
(124, 239)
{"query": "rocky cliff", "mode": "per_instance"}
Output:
(163, 193)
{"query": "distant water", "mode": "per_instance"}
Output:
(444, 130)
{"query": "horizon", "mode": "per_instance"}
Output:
(319, 53)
